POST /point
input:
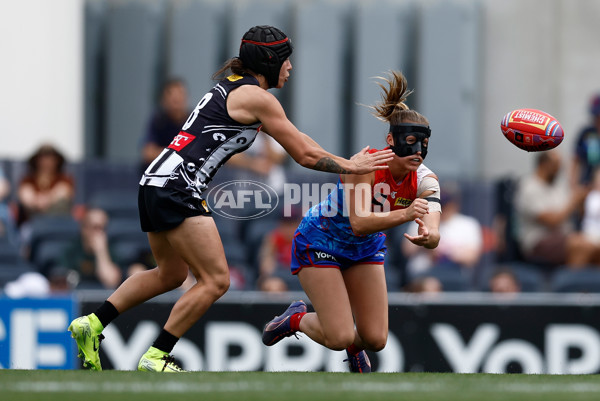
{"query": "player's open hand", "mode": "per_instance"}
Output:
(422, 234)
(366, 162)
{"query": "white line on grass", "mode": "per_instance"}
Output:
(313, 386)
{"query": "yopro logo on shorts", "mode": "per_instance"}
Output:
(320, 256)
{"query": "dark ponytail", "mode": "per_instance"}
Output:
(233, 65)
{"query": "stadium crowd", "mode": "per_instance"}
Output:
(74, 225)
(99, 233)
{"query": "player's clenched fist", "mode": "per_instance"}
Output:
(417, 209)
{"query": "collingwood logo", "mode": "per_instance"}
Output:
(321, 256)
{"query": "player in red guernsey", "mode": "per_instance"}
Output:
(338, 250)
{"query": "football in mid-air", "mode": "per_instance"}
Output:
(532, 130)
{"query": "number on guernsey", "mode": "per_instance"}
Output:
(199, 107)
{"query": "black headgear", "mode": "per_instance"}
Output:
(401, 131)
(264, 49)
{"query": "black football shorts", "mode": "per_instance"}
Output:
(162, 209)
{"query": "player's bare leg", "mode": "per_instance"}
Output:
(197, 242)
(367, 291)
(332, 323)
(368, 296)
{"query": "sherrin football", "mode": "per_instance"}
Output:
(532, 130)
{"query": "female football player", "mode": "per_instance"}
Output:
(338, 250)
(182, 235)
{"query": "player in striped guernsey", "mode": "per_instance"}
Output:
(182, 235)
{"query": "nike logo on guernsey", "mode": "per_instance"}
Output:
(321, 256)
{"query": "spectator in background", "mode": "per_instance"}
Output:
(28, 285)
(6, 218)
(544, 210)
(90, 255)
(504, 280)
(61, 280)
(461, 238)
(425, 284)
(166, 121)
(275, 256)
(590, 225)
(587, 151)
(46, 189)
(36, 285)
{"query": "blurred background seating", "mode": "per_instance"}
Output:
(585, 280)
(50, 235)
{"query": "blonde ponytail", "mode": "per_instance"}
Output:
(393, 108)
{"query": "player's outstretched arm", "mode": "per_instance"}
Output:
(253, 102)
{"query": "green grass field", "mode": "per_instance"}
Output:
(17, 385)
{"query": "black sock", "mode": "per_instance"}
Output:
(165, 341)
(106, 313)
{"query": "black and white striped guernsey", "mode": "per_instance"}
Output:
(206, 141)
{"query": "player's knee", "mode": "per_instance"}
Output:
(376, 345)
(375, 342)
(218, 285)
(222, 285)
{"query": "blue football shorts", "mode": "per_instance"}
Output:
(304, 254)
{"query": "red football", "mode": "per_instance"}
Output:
(532, 130)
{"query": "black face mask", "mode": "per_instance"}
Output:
(401, 131)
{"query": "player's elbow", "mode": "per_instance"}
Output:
(360, 227)
(307, 157)
(359, 230)
(305, 161)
